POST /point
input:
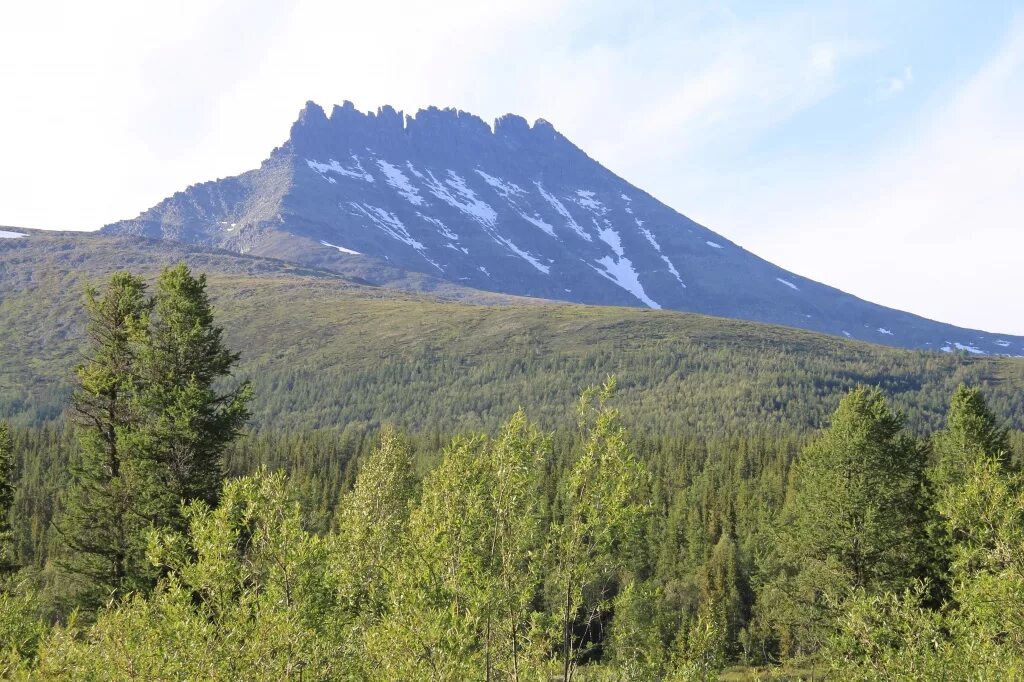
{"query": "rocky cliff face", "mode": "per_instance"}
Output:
(513, 208)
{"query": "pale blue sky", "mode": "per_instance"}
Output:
(875, 146)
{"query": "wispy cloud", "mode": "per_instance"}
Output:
(894, 85)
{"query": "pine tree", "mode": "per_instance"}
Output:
(102, 525)
(971, 431)
(186, 422)
(7, 560)
(854, 518)
(972, 437)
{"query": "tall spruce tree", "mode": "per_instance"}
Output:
(101, 524)
(854, 519)
(971, 431)
(7, 560)
(972, 436)
(185, 420)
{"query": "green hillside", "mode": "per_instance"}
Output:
(326, 351)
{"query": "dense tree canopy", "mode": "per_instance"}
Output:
(149, 538)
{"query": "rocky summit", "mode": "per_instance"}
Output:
(512, 208)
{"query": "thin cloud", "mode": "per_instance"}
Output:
(894, 85)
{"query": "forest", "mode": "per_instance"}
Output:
(149, 531)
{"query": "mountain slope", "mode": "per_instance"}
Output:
(516, 209)
(324, 351)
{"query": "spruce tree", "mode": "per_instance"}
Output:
(973, 436)
(971, 431)
(102, 525)
(854, 519)
(186, 421)
(7, 561)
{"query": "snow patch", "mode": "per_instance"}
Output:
(525, 255)
(657, 247)
(394, 176)
(333, 166)
(846, 334)
(962, 346)
(999, 342)
(4, 234)
(463, 198)
(788, 283)
(563, 211)
(341, 248)
(622, 273)
(714, 245)
(610, 237)
(585, 198)
(484, 270)
(539, 222)
(441, 227)
(505, 189)
(882, 330)
(392, 226)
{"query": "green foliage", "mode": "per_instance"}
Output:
(971, 431)
(979, 632)
(462, 596)
(700, 654)
(854, 519)
(102, 525)
(7, 466)
(247, 595)
(152, 428)
(717, 532)
(324, 353)
(598, 526)
(183, 422)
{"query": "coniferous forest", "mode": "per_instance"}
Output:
(150, 532)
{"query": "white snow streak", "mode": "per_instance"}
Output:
(563, 211)
(964, 346)
(714, 245)
(505, 189)
(610, 237)
(657, 247)
(390, 225)
(788, 283)
(525, 255)
(464, 198)
(341, 248)
(4, 234)
(539, 222)
(333, 166)
(585, 198)
(622, 273)
(441, 227)
(397, 179)
(884, 331)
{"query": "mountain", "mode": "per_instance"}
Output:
(509, 208)
(324, 350)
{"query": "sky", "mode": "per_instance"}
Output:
(874, 146)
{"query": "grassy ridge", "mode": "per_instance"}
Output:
(324, 351)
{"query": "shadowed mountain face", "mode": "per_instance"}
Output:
(512, 208)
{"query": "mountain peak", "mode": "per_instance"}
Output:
(511, 208)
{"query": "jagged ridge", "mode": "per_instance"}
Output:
(514, 208)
